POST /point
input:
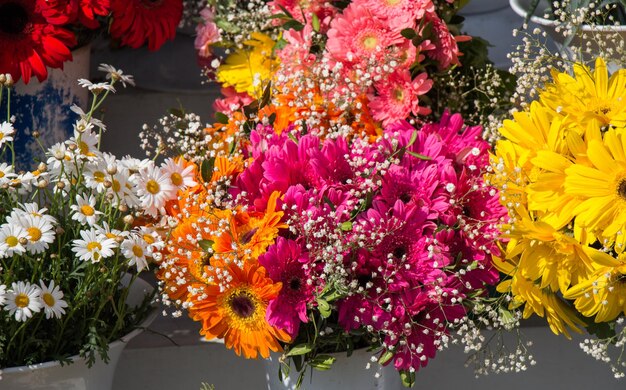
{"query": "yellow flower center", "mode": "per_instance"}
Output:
(398, 94)
(393, 2)
(621, 188)
(110, 235)
(94, 245)
(370, 42)
(116, 186)
(34, 233)
(99, 176)
(137, 251)
(1, 135)
(12, 241)
(22, 300)
(153, 187)
(1, 172)
(48, 299)
(177, 179)
(84, 148)
(148, 238)
(87, 210)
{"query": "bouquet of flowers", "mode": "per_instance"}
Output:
(40, 34)
(70, 231)
(327, 214)
(368, 51)
(561, 172)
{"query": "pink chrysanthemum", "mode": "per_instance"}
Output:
(398, 96)
(284, 263)
(356, 37)
(305, 9)
(232, 101)
(445, 51)
(399, 14)
(207, 33)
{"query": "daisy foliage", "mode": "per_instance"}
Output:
(70, 229)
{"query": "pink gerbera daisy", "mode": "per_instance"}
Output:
(284, 263)
(400, 14)
(356, 36)
(398, 96)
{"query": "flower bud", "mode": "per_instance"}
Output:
(123, 208)
(23, 240)
(42, 167)
(36, 134)
(129, 219)
(60, 185)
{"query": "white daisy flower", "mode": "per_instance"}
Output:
(85, 211)
(181, 176)
(135, 250)
(116, 74)
(154, 190)
(10, 236)
(108, 232)
(23, 299)
(52, 300)
(95, 87)
(122, 189)
(96, 175)
(6, 132)
(151, 238)
(40, 233)
(6, 173)
(3, 294)
(86, 143)
(34, 210)
(60, 158)
(135, 165)
(93, 246)
(85, 117)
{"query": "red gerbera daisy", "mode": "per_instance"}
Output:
(29, 42)
(138, 21)
(88, 10)
(68, 11)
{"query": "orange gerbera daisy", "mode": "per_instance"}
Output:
(236, 311)
(249, 234)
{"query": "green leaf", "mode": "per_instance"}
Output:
(408, 33)
(299, 349)
(220, 117)
(315, 21)
(324, 308)
(293, 24)
(346, 226)
(280, 44)
(420, 156)
(322, 362)
(205, 245)
(412, 140)
(206, 169)
(602, 330)
(329, 202)
(272, 118)
(408, 378)
(385, 357)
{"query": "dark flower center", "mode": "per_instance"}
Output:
(13, 18)
(151, 3)
(242, 305)
(295, 284)
(405, 198)
(246, 237)
(399, 252)
(621, 188)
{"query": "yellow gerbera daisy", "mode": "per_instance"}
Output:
(249, 69)
(588, 95)
(546, 255)
(560, 316)
(602, 188)
(603, 294)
